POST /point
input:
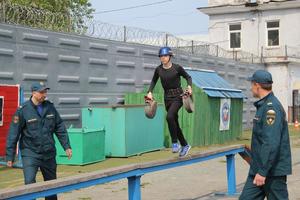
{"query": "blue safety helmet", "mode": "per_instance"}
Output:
(165, 51)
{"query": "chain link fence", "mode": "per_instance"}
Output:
(61, 22)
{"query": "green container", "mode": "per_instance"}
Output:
(128, 131)
(87, 146)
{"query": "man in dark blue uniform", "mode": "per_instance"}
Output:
(33, 125)
(270, 146)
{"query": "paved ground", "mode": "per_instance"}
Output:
(196, 182)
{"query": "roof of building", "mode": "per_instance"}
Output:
(213, 84)
(248, 7)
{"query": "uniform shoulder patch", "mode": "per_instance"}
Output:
(15, 119)
(271, 116)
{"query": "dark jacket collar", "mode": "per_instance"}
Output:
(261, 102)
(31, 102)
(44, 104)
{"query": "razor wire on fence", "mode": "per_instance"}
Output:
(64, 22)
(33, 17)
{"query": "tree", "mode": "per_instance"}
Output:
(57, 15)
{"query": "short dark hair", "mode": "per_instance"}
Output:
(266, 86)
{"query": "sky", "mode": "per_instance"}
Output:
(178, 17)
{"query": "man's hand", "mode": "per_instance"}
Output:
(259, 180)
(9, 163)
(69, 153)
(189, 89)
(150, 96)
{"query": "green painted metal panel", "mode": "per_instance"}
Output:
(130, 131)
(118, 135)
(143, 134)
(99, 120)
(87, 146)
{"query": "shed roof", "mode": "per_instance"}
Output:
(213, 84)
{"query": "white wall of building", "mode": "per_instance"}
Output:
(254, 32)
(286, 77)
(253, 20)
(235, 2)
(281, 81)
(222, 2)
(294, 70)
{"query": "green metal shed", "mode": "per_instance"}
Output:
(216, 102)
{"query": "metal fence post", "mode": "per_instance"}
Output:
(69, 26)
(286, 51)
(124, 39)
(167, 39)
(261, 54)
(192, 46)
(233, 56)
(231, 181)
(4, 11)
(134, 187)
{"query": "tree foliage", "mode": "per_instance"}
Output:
(57, 15)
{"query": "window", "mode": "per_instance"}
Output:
(235, 36)
(273, 33)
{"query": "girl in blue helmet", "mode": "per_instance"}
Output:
(169, 74)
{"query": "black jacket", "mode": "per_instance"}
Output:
(35, 132)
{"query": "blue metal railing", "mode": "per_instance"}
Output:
(133, 173)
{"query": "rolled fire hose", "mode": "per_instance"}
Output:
(150, 107)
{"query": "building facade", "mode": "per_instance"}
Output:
(268, 29)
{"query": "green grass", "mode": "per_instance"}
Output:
(14, 177)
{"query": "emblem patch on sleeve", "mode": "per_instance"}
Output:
(271, 115)
(16, 119)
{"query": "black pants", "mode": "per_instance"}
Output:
(47, 167)
(172, 106)
(275, 188)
